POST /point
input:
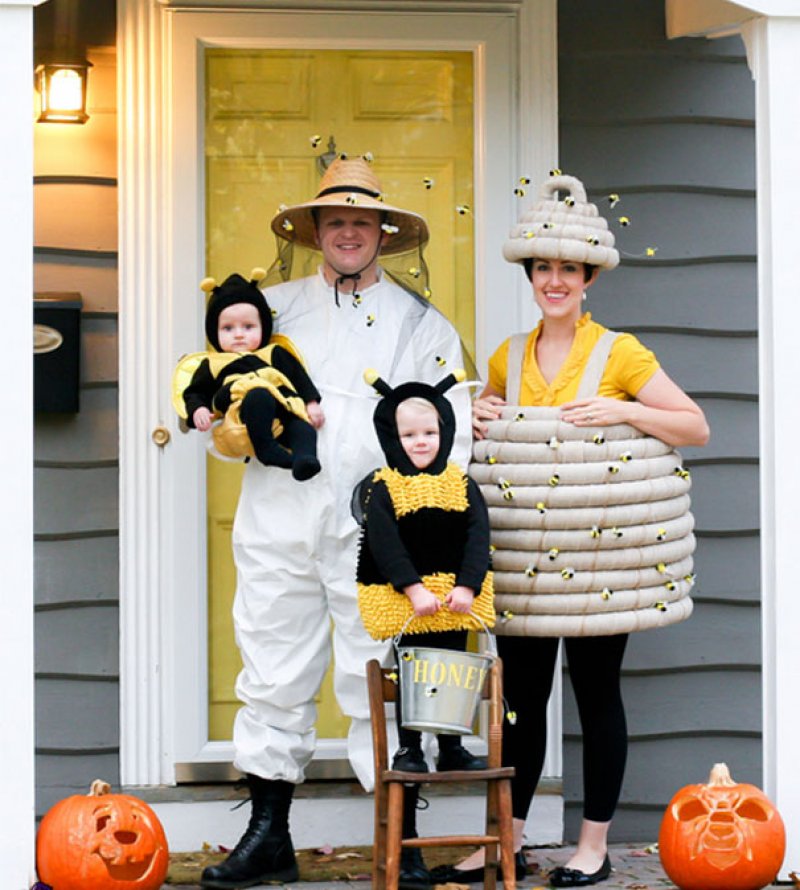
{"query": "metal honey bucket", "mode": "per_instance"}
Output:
(441, 688)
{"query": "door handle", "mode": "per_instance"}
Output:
(161, 436)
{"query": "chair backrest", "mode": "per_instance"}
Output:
(382, 687)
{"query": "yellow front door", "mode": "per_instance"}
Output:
(269, 115)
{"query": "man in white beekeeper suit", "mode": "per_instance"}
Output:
(295, 542)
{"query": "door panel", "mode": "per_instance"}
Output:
(413, 111)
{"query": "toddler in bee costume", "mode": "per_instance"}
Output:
(423, 564)
(269, 405)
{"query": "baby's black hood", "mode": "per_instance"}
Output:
(385, 419)
(236, 289)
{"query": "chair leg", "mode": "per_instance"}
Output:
(394, 824)
(490, 866)
(379, 853)
(506, 826)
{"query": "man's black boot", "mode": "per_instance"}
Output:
(264, 852)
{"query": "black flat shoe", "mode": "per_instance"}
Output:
(574, 877)
(449, 874)
(409, 760)
(459, 758)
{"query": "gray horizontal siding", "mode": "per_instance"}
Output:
(76, 519)
(668, 126)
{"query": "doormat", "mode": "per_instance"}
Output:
(323, 864)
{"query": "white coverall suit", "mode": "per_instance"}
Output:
(295, 543)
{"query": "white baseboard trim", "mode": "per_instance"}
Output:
(343, 821)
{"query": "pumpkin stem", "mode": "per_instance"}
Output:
(99, 788)
(720, 775)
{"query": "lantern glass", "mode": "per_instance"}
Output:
(63, 93)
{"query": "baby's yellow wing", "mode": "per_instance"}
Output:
(288, 345)
(182, 377)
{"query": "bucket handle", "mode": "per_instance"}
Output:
(490, 637)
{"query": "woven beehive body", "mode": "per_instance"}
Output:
(591, 527)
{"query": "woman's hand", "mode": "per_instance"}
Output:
(315, 414)
(201, 419)
(486, 407)
(597, 411)
(460, 599)
(423, 601)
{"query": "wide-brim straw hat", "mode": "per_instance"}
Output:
(568, 228)
(351, 183)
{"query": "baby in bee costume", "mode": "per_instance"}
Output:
(257, 383)
(423, 562)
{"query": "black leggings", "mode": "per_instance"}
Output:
(594, 668)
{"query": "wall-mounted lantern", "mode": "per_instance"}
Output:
(62, 91)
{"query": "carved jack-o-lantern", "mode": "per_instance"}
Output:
(721, 836)
(102, 842)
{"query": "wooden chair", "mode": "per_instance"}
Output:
(389, 790)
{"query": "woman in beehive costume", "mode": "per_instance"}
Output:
(589, 510)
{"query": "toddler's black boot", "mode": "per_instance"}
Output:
(264, 852)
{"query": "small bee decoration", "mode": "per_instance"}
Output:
(683, 473)
(392, 676)
(567, 574)
(523, 180)
(407, 656)
(414, 272)
(690, 578)
(281, 208)
(529, 235)
(426, 292)
(554, 480)
(506, 615)
(463, 209)
(287, 226)
(570, 201)
(541, 507)
(520, 415)
(671, 585)
(390, 229)
(662, 567)
(547, 225)
(357, 300)
(343, 156)
(503, 484)
(650, 251)
(508, 495)
(273, 313)
(592, 240)
(368, 156)
(613, 199)
(616, 532)
(556, 171)
(553, 443)
(598, 439)
(491, 459)
(661, 534)
(511, 716)
(596, 531)
(428, 182)
(519, 192)
(492, 548)
(612, 468)
(370, 320)
(624, 221)
(606, 593)
(626, 457)
(661, 606)
(531, 571)
(315, 140)
(553, 552)
(351, 199)
(431, 691)
(441, 362)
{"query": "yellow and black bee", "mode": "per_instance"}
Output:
(606, 593)
(567, 574)
(370, 320)
(315, 140)
(428, 182)
(554, 480)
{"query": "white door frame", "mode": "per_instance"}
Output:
(162, 490)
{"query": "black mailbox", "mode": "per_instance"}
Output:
(56, 352)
